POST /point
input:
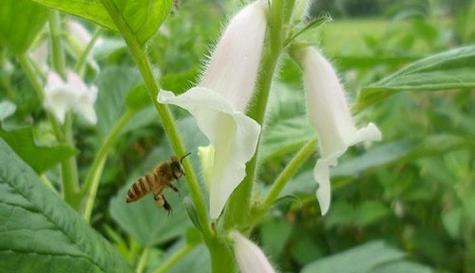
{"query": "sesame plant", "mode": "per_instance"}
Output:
(95, 93)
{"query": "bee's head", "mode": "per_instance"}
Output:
(177, 166)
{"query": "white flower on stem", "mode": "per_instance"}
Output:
(73, 94)
(329, 113)
(249, 256)
(219, 101)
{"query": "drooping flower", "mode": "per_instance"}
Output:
(219, 101)
(249, 256)
(73, 94)
(329, 113)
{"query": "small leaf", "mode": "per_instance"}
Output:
(40, 233)
(20, 22)
(138, 98)
(143, 17)
(22, 142)
(452, 69)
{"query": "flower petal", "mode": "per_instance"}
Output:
(232, 69)
(233, 135)
(58, 98)
(85, 104)
(249, 256)
(329, 113)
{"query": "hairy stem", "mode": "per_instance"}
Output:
(288, 172)
(93, 176)
(68, 166)
(168, 121)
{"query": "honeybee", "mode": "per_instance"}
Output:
(161, 177)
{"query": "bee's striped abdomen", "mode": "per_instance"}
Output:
(141, 187)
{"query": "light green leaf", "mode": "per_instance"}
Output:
(20, 22)
(402, 267)
(22, 142)
(40, 233)
(114, 83)
(143, 17)
(360, 259)
(7, 108)
(452, 69)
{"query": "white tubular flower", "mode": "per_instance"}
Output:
(219, 102)
(249, 256)
(73, 94)
(330, 115)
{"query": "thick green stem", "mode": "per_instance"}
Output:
(80, 66)
(222, 258)
(175, 258)
(168, 122)
(143, 260)
(58, 59)
(68, 166)
(69, 172)
(239, 205)
(93, 176)
(288, 172)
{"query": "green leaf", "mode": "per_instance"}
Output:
(143, 17)
(275, 234)
(287, 126)
(20, 22)
(40, 233)
(137, 98)
(402, 267)
(114, 83)
(22, 142)
(452, 69)
(360, 259)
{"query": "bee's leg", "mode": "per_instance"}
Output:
(175, 189)
(166, 205)
(159, 200)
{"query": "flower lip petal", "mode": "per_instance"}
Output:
(233, 135)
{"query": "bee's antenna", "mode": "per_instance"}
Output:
(183, 157)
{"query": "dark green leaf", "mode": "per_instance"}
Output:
(20, 22)
(452, 69)
(40, 233)
(143, 17)
(22, 142)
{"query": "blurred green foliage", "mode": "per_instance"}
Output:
(405, 205)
